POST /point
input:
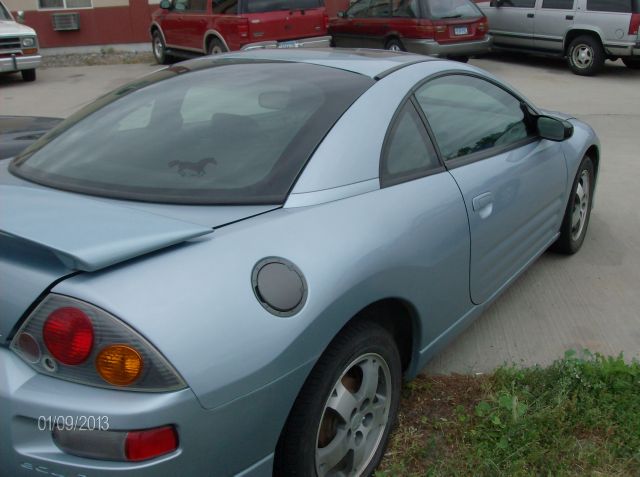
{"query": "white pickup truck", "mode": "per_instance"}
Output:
(18, 47)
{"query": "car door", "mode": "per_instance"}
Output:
(349, 31)
(552, 21)
(513, 182)
(511, 22)
(194, 24)
(173, 24)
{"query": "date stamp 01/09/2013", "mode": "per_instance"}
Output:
(73, 423)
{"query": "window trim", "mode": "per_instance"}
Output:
(63, 7)
(486, 153)
(389, 181)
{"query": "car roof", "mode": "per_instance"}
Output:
(368, 62)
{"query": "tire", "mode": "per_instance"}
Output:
(338, 380)
(576, 216)
(28, 75)
(394, 45)
(632, 63)
(159, 48)
(585, 56)
(215, 47)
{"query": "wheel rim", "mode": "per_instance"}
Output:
(354, 418)
(158, 47)
(582, 56)
(215, 50)
(580, 206)
(394, 47)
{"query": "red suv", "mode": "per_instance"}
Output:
(184, 28)
(451, 28)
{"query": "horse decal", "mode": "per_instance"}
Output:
(196, 168)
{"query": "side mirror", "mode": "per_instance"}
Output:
(20, 16)
(554, 129)
(165, 4)
(341, 14)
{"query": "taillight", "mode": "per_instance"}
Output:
(68, 335)
(482, 25)
(325, 22)
(74, 340)
(243, 27)
(634, 26)
(143, 445)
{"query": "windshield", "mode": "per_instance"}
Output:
(261, 6)
(4, 14)
(443, 9)
(230, 133)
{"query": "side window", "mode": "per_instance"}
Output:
(558, 4)
(228, 7)
(408, 152)
(198, 5)
(469, 115)
(518, 3)
(405, 8)
(379, 8)
(359, 9)
(618, 6)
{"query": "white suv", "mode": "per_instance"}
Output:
(18, 47)
(586, 32)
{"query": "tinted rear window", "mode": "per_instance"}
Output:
(261, 6)
(619, 6)
(230, 134)
(443, 9)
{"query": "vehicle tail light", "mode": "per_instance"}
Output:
(634, 26)
(143, 445)
(243, 27)
(483, 25)
(132, 446)
(70, 339)
(68, 335)
(325, 22)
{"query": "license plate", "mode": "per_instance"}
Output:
(288, 44)
(461, 30)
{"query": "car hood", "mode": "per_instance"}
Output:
(10, 28)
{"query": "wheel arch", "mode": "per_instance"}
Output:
(594, 153)
(156, 27)
(579, 31)
(209, 35)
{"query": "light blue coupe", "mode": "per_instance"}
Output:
(228, 266)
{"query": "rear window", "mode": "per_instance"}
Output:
(618, 6)
(443, 9)
(227, 134)
(261, 6)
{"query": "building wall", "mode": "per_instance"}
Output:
(107, 22)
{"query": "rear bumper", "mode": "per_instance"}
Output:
(623, 50)
(18, 62)
(433, 48)
(314, 42)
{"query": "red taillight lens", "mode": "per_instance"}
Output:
(325, 22)
(482, 26)
(143, 445)
(68, 335)
(243, 27)
(634, 26)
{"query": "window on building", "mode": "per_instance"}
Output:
(64, 4)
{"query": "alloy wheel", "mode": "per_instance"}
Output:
(582, 56)
(580, 206)
(354, 418)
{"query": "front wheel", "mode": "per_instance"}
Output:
(394, 45)
(578, 211)
(585, 56)
(633, 63)
(28, 75)
(159, 48)
(340, 422)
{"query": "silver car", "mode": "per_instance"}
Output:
(585, 32)
(227, 267)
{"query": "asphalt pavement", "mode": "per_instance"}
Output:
(590, 300)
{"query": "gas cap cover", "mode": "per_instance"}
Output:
(279, 286)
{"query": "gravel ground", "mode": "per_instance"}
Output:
(106, 57)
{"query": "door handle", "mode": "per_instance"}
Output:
(483, 204)
(530, 15)
(569, 17)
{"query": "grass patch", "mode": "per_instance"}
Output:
(579, 416)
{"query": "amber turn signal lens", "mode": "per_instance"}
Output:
(29, 51)
(119, 365)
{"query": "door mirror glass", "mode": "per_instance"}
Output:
(554, 129)
(20, 16)
(165, 4)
